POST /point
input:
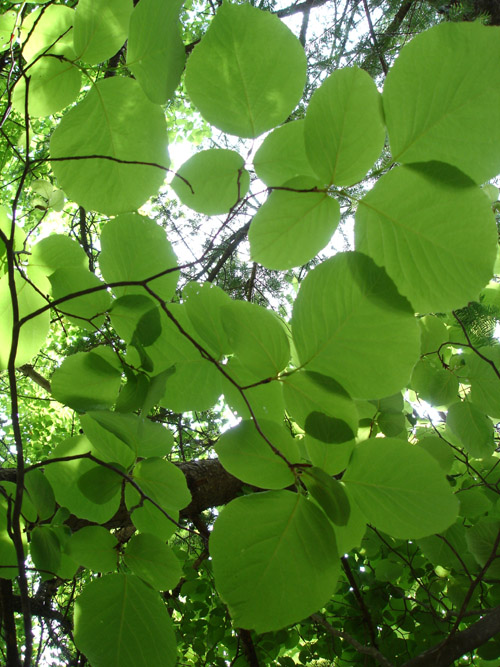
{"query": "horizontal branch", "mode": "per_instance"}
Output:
(300, 7)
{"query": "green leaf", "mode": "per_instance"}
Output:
(398, 487)
(256, 337)
(101, 28)
(64, 475)
(45, 551)
(94, 547)
(266, 400)
(480, 540)
(163, 482)
(204, 304)
(350, 536)
(100, 484)
(52, 253)
(196, 384)
(320, 406)
(348, 319)
(248, 72)
(121, 622)
(437, 386)
(473, 428)
(440, 450)
(135, 248)
(245, 454)
(212, 181)
(127, 311)
(119, 124)
(155, 52)
(85, 311)
(443, 550)
(473, 503)
(427, 225)
(282, 155)
(328, 493)
(40, 493)
(48, 31)
(152, 560)
(86, 381)
(112, 435)
(332, 459)
(33, 333)
(274, 559)
(344, 127)
(147, 518)
(442, 99)
(290, 228)
(484, 380)
(433, 333)
(53, 85)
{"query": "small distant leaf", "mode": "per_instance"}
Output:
(248, 72)
(121, 622)
(281, 567)
(212, 181)
(152, 560)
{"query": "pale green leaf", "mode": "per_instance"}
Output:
(429, 225)
(53, 85)
(282, 155)
(204, 304)
(484, 380)
(274, 558)
(135, 248)
(163, 482)
(48, 31)
(196, 384)
(329, 493)
(212, 181)
(439, 449)
(101, 28)
(436, 385)
(128, 133)
(398, 487)
(121, 622)
(473, 428)
(332, 459)
(85, 311)
(40, 492)
(290, 228)
(147, 518)
(344, 127)
(442, 99)
(245, 453)
(45, 550)
(248, 72)
(348, 320)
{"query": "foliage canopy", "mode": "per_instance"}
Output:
(227, 438)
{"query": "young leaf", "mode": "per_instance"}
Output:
(248, 72)
(344, 128)
(274, 558)
(347, 319)
(121, 622)
(118, 124)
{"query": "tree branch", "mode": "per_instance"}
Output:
(302, 7)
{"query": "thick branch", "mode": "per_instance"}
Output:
(300, 7)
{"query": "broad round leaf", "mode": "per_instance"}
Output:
(101, 28)
(398, 487)
(163, 482)
(436, 385)
(121, 622)
(86, 381)
(483, 377)
(245, 454)
(136, 248)
(128, 133)
(48, 31)
(204, 308)
(282, 155)
(349, 320)
(442, 99)
(429, 225)
(32, 335)
(53, 85)
(85, 311)
(196, 384)
(153, 561)
(290, 228)
(94, 547)
(344, 128)
(155, 52)
(275, 559)
(212, 181)
(248, 72)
